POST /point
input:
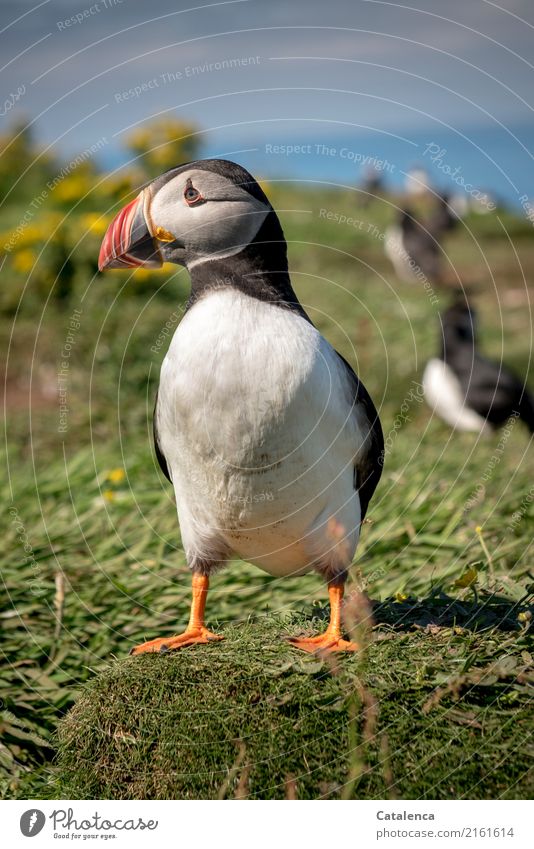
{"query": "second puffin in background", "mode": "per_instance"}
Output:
(464, 388)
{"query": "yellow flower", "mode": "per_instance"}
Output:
(108, 495)
(120, 185)
(141, 275)
(140, 138)
(94, 223)
(400, 596)
(468, 579)
(27, 236)
(73, 187)
(24, 260)
(478, 529)
(161, 156)
(525, 616)
(116, 475)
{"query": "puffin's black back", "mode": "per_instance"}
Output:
(420, 245)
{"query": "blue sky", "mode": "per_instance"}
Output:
(373, 73)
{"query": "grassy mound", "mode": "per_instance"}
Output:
(421, 713)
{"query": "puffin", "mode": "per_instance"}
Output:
(467, 390)
(372, 185)
(271, 442)
(415, 247)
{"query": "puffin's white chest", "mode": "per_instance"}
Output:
(444, 396)
(253, 422)
(234, 378)
(396, 252)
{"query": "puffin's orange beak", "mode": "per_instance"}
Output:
(128, 242)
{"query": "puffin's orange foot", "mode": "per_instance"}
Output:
(326, 643)
(188, 638)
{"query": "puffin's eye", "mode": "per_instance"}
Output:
(192, 195)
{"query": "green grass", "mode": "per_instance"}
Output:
(252, 717)
(102, 571)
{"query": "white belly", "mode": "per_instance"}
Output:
(396, 252)
(255, 424)
(445, 397)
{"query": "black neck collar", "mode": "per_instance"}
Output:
(259, 271)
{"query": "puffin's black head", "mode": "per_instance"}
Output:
(458, 323)
(205, 210)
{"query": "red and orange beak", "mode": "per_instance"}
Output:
(128, 242)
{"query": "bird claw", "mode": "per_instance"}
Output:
(323, 644)
(164, 645)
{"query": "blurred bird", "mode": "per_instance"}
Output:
(415, 248)
(273, 445)
(372, 185)
(465, 389)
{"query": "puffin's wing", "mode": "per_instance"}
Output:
(494, 391)
(370, 453)
(159, 453)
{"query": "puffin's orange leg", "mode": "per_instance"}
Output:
(196, 631)
(331, 640)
